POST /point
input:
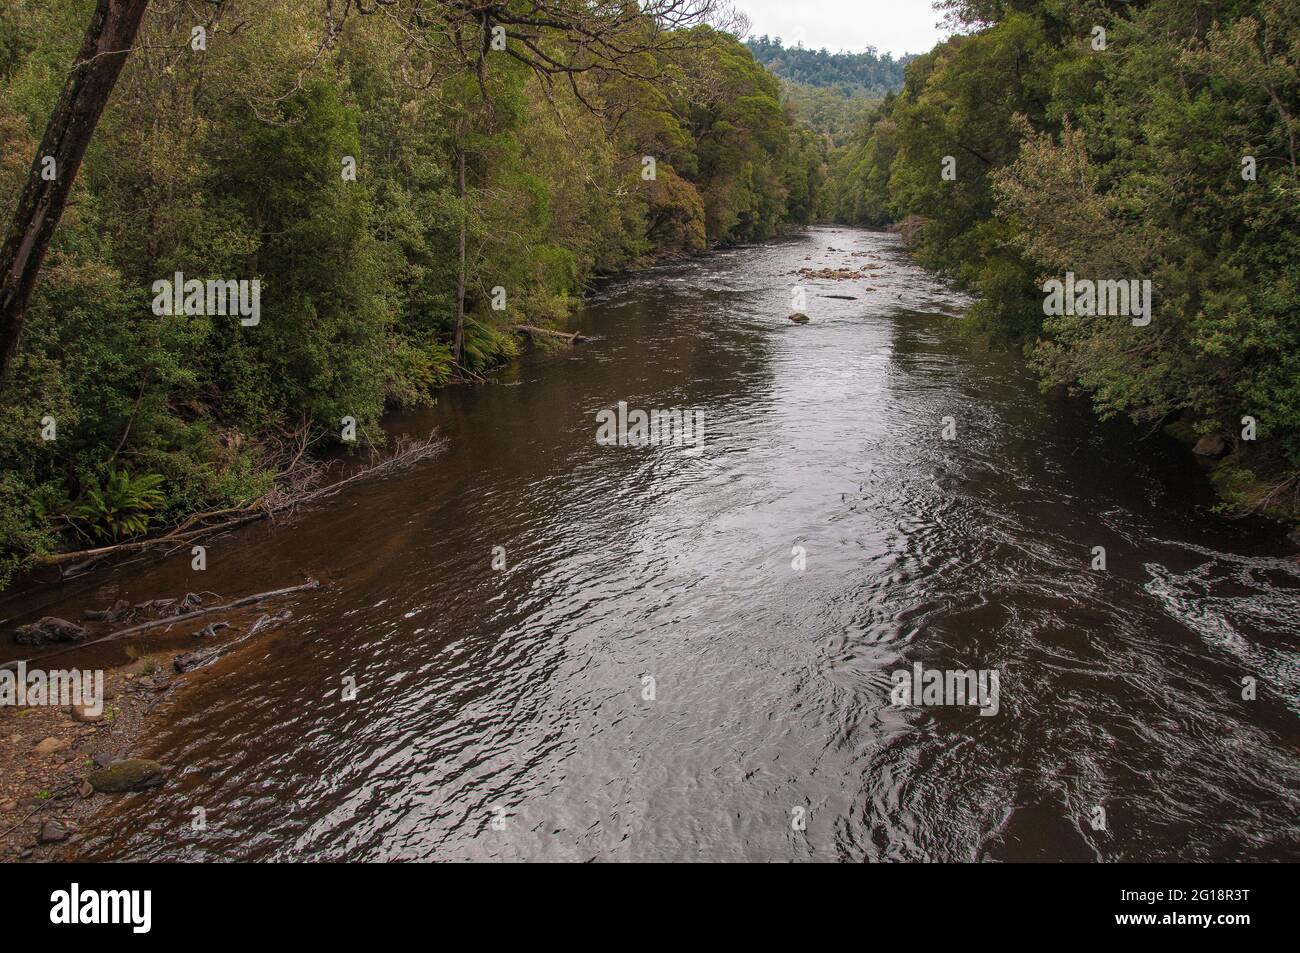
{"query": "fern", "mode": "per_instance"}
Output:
(121, 508)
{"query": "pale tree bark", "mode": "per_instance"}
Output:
(459, 344)
(104, 50)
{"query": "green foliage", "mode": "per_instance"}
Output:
(121, 508)
(1120, 163)
(848, 73)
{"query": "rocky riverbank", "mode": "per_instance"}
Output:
(58, 765)
(61, 762)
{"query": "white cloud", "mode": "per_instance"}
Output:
(891, 26)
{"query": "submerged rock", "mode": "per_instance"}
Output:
(192, 660)
(120, 610)
(49, 629)
(129, 774)
(799, 318)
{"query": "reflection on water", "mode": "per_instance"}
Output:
(519, 695)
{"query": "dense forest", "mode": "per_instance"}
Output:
(405, 185)
(866, 73)
(1116, 140)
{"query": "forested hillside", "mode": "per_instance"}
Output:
(867, 73)
(1153, 141)
(828, 112)
(403, 188)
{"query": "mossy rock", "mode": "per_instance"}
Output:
(129, 774)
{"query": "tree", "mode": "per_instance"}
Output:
(107, 43)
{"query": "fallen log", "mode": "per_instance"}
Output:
(92, 555)
(532, 330)
(155, 623)
(206, 610)
(276, 502)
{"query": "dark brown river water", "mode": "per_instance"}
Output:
(518, 696)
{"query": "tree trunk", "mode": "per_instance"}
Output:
(458, 347)
(104, 50)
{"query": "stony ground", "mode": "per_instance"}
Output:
(47, 753)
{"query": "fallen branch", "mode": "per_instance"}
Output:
(184, 617)
(250, 514)
(206, 610)
(280, 499)
(407, 453)
(533, 330)
(54, 796)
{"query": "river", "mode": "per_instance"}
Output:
(652, 677)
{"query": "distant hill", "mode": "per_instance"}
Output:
(837, 113)
(872, 74)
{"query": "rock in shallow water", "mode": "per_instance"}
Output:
(192, 660)
(129, 774)
(49, 629)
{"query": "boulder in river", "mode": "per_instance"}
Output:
(129, 774)
(48, 629)
(799, 318)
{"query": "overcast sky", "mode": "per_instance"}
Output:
(891, 26)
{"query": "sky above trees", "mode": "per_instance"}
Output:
(894, 26)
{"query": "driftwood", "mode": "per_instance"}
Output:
(533, 331)
(206, 610)
(250, 514)
(171, 620)
(278, 500)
